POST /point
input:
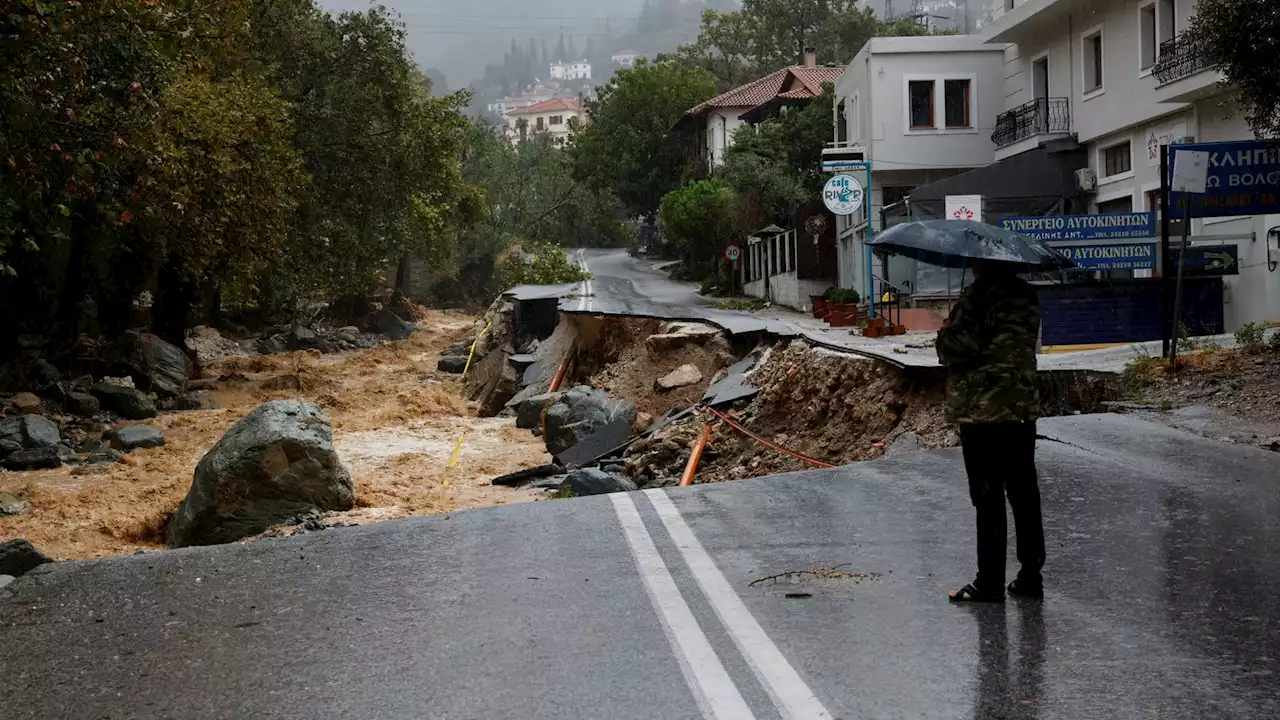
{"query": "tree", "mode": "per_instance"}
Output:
(1241, 37)
(629, 146)
(699, 219)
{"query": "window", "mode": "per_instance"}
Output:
(920, 93)
(539, 125)
(956, 103)
(1119, 205)
(1116, 160)
(1092, 51)
(1168, 28)
(557, 120)
(1148, 44)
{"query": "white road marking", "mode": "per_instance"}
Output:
(789, 692)
(717, 696)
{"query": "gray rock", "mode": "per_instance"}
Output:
(12, 505)
(128, 403)
(683, 376)
(11, 430)
(529, 412)
(462, 347)
(345, 337)
(455, 365)
(593, 481)
(132, 437)
(18, 557)
(155, 365)
(84, 382)
(46, 372)
(8, 447)
(105, 456)
(275, 463)
(39, 431)
(385, 322)
(272, 345)
(198, 400)
(906, 442)
(83, 404)
(6, 580)
(41, 458)
(579, 414)
(303, 338)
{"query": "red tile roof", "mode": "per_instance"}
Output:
(781, 83)
(550, 106)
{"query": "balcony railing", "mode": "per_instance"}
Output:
(1040, 116)
(1181, 58)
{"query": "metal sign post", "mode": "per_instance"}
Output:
(1190, 175)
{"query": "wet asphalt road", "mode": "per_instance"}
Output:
(1164, 574)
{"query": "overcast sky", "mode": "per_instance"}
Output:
(460, 37)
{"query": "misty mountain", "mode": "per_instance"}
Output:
(461, 37)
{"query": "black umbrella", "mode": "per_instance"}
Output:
(956, 243)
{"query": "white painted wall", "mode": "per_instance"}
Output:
(721, 123)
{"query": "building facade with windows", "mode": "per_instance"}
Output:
(1121, 79)
(922, 109)
(569, 71)
(551, 117)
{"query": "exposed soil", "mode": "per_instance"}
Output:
(396, 423)
(631, 370)
(1246, 384)
(830, 407)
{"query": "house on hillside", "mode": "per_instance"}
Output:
(626, 58)
(551, 117)
(718, 118)
(570, 71)
(920, 109)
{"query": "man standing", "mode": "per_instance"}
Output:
(988, 347)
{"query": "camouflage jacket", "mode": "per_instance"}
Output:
(988, 347)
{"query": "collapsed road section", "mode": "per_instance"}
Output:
(625, 402)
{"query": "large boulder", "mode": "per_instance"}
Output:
(155, 365)
(133, 437)
(579, 414)
(28, 431)
(529, 412)
(40, 458)
(386, 322)
(593, 481)
(128, 403)
(683, 376)
(276, 462)
(12, 505)
(18, 557)
(83, 404)
(25, 403)
(454, 365)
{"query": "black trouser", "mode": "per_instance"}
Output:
(1001, 458)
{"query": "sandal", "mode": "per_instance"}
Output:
(969, 593)
(1030, 593)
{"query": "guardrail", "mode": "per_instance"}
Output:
(1180, 58)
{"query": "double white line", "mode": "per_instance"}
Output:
(717, 695)
(584, 292)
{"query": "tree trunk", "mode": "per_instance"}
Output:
(404, 274)
(171, 309)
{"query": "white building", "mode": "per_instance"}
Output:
(718, 118)
(922, 109)
(626, 58)
(551, 118)
(1119, 78)
(576, 70)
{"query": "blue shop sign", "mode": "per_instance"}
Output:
(1244, 179)
(1106, 226)
(1125, 256)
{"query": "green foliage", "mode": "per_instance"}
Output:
(539, 264)
(628, 148)
(1187, 343)
(842, 295)
(1242, 35)
(1250, 337)
(1140, 374)
(231, 153)
(699, 219)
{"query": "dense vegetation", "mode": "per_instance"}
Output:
(255, 155)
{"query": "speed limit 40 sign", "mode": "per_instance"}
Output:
(732, 253)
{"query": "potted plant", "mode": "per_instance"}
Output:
(842, 307)
(820, 303)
